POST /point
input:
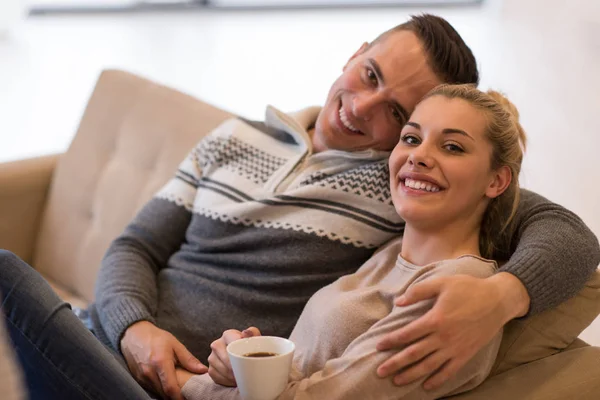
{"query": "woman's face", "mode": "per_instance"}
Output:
(440, 170)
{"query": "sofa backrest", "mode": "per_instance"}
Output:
(132, 137)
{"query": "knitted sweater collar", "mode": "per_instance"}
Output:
(298, 123)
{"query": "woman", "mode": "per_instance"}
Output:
(454, 180)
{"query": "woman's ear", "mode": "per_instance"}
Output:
(362, 49)
(501, 179)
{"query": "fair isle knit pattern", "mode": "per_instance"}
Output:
(246, 160)
(365, 180)
(226, 178)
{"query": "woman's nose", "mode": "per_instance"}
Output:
(421, 157)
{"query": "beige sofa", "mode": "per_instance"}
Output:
(60, 212)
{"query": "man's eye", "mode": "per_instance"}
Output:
(371, 76)
(410, 139)
(397, 115)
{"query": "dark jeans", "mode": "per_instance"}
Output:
(60, 357)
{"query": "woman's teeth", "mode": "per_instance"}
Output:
(420, 185)
(344, 119)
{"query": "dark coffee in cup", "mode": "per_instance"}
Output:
(260, 354)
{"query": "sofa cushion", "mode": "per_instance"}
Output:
(133, 135)
(67, 295)
(545, 334)
(573, 374)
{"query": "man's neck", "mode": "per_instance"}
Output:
(311, 134)
(422, 246)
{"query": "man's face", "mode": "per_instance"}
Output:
(369, 103)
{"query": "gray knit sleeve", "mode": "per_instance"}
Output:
(126, 289)
(552, 251)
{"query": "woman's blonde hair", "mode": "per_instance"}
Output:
(508, 141)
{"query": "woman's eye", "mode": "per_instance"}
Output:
(454, 148)
(410, 139)
(371, 76)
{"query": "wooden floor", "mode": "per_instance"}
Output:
(545, 54)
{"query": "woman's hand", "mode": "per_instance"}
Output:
(183, 375)
(219, 365)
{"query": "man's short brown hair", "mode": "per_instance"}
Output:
(448, 55)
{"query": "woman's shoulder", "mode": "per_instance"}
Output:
(468, 264)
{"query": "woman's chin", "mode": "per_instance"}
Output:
(413, 216)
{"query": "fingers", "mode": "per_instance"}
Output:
(417, 329)
(223, 366)
(131, 364)
(439, 343)
(220, 372)
(144, 374)
(219, 361)
(219, 378)
(231, 335)
(443, 374)
(219, 364)
(187, 359)
(220, 358)
(252, 331)
(421, 291)
(168, 380)
(150, 380)
(421, 369)
(410, 355)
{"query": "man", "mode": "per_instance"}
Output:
(261, 215)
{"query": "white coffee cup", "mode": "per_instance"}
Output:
(261, 378)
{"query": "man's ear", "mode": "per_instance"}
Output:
(500, 182)
(358, 52)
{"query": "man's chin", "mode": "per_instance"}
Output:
(318, 143)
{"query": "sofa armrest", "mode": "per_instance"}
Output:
(572, 374)
(24, 185)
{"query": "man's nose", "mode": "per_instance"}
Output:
(364, 104)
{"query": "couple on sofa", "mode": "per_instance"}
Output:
(262, 216)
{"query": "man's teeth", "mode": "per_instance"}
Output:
(344, 119)
(420, 185)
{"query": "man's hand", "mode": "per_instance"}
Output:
(152, 354)
(219, 364)
(467, 314)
